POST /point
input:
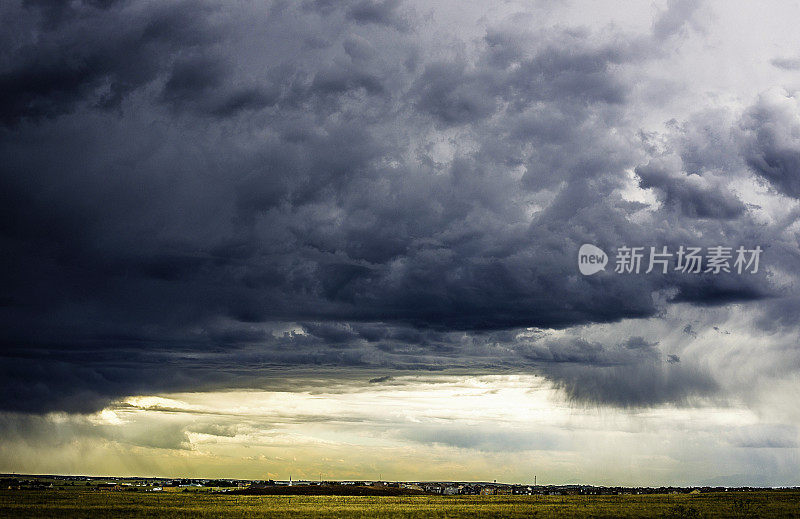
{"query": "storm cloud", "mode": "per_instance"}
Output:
(194, 195)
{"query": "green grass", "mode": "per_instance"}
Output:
(86, 503)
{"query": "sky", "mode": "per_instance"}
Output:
(340, 240)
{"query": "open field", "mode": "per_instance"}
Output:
(87, 503)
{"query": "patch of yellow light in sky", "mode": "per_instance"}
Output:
(500, 399)
(157, 402)
(408, 427)
(106, 417)
(497, 399)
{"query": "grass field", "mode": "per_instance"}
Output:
(86, 503)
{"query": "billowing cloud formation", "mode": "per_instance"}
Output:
(182, 181)
(772, 126)
(691, 195)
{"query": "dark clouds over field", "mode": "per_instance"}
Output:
(197, 195)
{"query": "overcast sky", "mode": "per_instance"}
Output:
(263, 239)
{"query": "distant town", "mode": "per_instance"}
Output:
(343, 487)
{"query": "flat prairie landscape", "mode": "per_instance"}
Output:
(87, 503)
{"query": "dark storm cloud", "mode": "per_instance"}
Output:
(193, 78)
(54, 12)
(644, 384)
(90, 55)
(384, 12)
(688, 194)
(719, 290)
(315, 163)
(83, 378)
(471, 100)
(632, 373)
(772, 147)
